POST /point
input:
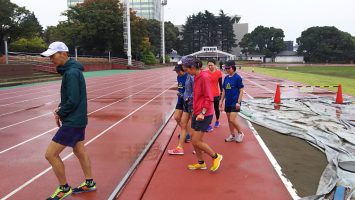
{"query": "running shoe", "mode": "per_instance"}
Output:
(188, 138)
(61, 193)
(231, 138)
(239, 137)
(216, 124)
(85, 187)
(197, 166)
(176, 151)
(216, 162)
(209, 128)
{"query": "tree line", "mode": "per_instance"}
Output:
(96, 27)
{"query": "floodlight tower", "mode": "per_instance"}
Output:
(127, 31)
(163, 3)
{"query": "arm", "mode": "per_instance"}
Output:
(207, 97)
(73, 94)
(241, 91)
(220, 85)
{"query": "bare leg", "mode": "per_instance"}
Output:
(183, 124)
(232, 120)
(200, 146)
(230, 125)
(177, 116)
(52, 155)
(80, 153)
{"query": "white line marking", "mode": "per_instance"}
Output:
(88, 100)
(87, 143)
(274, 163)
(37, 136)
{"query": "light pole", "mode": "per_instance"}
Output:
(129, 53)
(5, 38)
(76, 53)
(163, 3)
(6, 51)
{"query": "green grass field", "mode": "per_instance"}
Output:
(314, 75)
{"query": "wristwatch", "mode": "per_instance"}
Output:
(203, 111)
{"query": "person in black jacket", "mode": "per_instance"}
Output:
(71, 118)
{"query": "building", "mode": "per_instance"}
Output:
(288, 45)
(212, 53)
(148, 9)
(288, 57)
(240, 29)
(71, 3)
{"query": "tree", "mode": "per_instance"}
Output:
(263, 40)
(95, 26)
(326, 44)
(206, 29)
(17, 22)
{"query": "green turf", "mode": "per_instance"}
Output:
(314, 75)
(86, 75)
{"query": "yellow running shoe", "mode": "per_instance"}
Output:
(60, 193)
(197, 166)
(216, 162)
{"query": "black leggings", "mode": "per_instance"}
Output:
(216, 106)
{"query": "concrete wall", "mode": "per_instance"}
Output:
(9, 71)
(289, 59)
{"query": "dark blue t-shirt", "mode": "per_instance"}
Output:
(181, 83)
(231, 86)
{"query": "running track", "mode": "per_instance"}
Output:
(125, 111)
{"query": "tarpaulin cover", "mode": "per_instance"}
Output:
(329, 127)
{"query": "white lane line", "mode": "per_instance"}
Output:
(37, 136)
(91, 81)
(56, 88)
(8, 113)
(2, 128)
(292, 191)
(2, 105)
(272, 91)
(87, 143)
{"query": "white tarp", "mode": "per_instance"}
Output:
(327, 126)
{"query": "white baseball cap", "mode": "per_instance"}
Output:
(54, 48)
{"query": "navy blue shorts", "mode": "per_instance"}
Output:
(180, 104)
(229, 109)
(69, 136)
(201, 125)
(187, 107)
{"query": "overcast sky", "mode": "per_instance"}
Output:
(293, 16)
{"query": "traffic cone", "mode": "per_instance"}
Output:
(277, 98)
(339, 97)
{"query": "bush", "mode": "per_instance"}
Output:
(148, 57)
(33, 45)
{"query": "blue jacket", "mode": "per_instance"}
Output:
(73, 100)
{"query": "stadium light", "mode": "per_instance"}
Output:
(163, 3)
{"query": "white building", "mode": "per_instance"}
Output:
(148, 9)
(288, 57)
(71, 3)
(213, 53)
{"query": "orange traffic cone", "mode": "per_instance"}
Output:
(277, 98)
(339, 98)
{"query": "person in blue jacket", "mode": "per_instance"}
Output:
(71, 118)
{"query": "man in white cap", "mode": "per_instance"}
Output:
(71, 118)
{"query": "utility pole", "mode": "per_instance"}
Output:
(163, 3)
